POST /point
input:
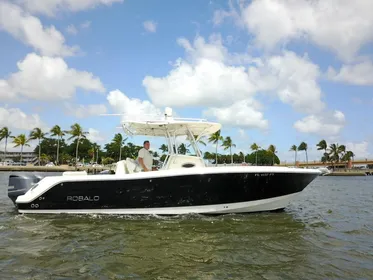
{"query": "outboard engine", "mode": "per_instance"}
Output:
(19, 184)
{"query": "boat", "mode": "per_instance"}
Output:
(184, 184)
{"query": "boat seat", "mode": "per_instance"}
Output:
(120, 168)
(132, 166)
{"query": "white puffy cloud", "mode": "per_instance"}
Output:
(47, 78)
(51, 7)
(360, 150)
(209, 77)
(292, 78)
(328, 124)
(6, 92)
(343, 26)
(95, 136)
(204, 79)
(212, 50)
(150, 26)
(241, 114)
(207, 83)
(85, 111)
(356, 74)
(131, 107)
(15, 118)
(29, 30)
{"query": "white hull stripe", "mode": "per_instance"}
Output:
(239, 207)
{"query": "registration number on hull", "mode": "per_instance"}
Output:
(264, 174)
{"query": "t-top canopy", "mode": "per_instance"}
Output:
(172, 127)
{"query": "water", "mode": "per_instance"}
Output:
(326, 234)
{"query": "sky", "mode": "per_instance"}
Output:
(271, 71)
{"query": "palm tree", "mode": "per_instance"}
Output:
(57, 131)
(303, 147)
(5, 133)
(22, 141)
(95, 147)
(164, 148)
(182, 149)
(272, 149)
(294, 149)
(228, 144)
(255, 147)
(215, 138)
(336, 152)
(348, 156)
(243, 156)
(322, 145)
(91, 152)
(37, 133)
(77, 132)
(118, 140)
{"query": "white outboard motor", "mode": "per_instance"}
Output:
(19, 184)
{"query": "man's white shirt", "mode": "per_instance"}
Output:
(147, 158)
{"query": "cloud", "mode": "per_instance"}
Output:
(325, 125)
(211, 76)
(51, 7)
(356, 74)
(15, 118)
(85, 24)
(47, 78)
(28, 29)
(243, 114)
(150, 26)
(131, 107)
(360, 150)
(343, 27)
(233, 12)
(204, 80)
(95, 136)
(292, 78)
(242, 134)
(213, 50)
(85, 111)
(71, 29)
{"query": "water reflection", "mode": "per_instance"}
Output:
(148, 246)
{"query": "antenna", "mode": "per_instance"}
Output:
(168, 113)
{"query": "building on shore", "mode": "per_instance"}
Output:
(15, 157)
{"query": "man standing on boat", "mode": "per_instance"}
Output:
(145, 158)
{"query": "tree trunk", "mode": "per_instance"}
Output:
(307, 158)
(39, 151)
(256, 157)
(6, 143)
(295, 159)
(76, 152)
(120, 152)
(58, 149)
(216, 154)
(21, 152)
(97, 155)
(230, 148)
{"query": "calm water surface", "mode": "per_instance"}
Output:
(326, 234)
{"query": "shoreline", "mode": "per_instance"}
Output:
(61, 168)
(94, 170)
